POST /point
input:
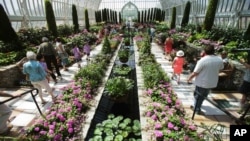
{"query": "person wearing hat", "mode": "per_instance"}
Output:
(177, 65)
(206, 76)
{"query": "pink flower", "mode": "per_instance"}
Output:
(158, 133)
(70, 130)
(154, 117)
(158, 126)
(148, 114)
(170, 125)
(43, 132)
(192, 127)
(37, 129)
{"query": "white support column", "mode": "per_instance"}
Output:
(25, 21)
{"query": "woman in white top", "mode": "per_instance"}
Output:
(62, 53)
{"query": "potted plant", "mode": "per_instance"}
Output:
(122, 70)
(117, 88)
(123, 55)
(117, 128)
(126, 41)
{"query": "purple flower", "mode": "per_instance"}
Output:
(182, 121)
(52, 127)
(37, 129)
(158, 126)
(149, 91)
(58, 137)
(51, 132)
(148, 114)
(170, 125)
(43, 132)
(154, 117)
(192, 127)
(158, 133)
(70, 130)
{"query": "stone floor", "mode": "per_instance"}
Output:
(25, 111)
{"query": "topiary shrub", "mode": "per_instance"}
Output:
(87, 19)
(75, 19)
(186, 13)
(106, 48)
(7, 33)
(173, 20)
(210, 14)
(50, 18)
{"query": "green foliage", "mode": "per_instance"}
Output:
(33, 36)
(50, 17)
(86, 19)
(146, 46)
(247, 33)
(186, 13)
(7, 33)
(122, 70)
(118, 86)
(75, 18)
(106, 48)
(210, 14)
(117, 128)
(173, 19)
(123, 53)
(153, 75)
(64, 30)
(95, 28)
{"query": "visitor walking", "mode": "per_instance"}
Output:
(37, 75)
(41, 60)
(245, 86)
(177, 65)
(86, 50)
(63, 55)
(206, 76)
(168, 47)
(47, 50)
(77, 55)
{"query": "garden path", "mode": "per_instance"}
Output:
(24, 110)
(212, 115)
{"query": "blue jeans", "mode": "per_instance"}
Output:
(202, 93)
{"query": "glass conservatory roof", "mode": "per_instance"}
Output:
(99, 4)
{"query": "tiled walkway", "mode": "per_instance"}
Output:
(25, 111)
(212, 115)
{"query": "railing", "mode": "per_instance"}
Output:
(32, 91)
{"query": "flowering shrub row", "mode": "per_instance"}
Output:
(64, 119)
(166, 115)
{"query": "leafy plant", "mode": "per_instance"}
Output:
(123, 53)
(118, 86)
(122, 70)
(117, 128)
(106, 48)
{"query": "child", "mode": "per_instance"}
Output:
(41, 60)
(177, 65)
(168, 47)
(77, 55)
(86, 50)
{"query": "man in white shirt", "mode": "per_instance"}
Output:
(206, 76)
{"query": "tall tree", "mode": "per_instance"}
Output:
(173, 20)
(186, 13)
(87, 19)
(75, 18)
(210, 15)
(7, 33)
(50, 18)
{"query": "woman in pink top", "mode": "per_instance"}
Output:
(177, 65)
